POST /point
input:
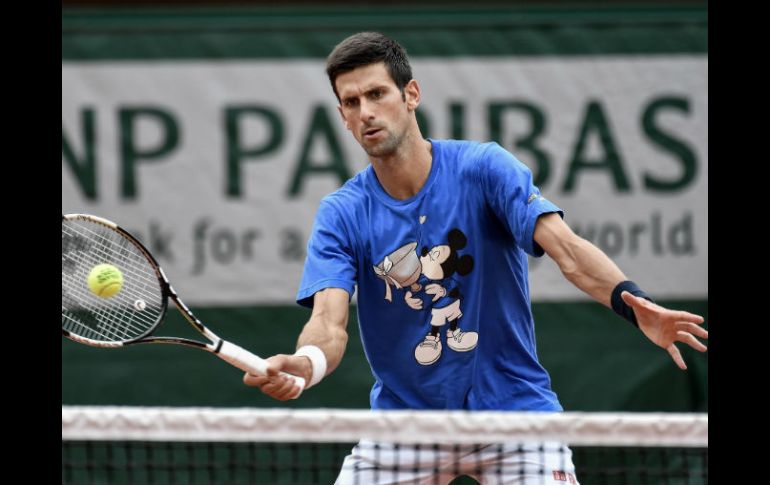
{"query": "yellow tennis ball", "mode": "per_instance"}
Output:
(105, 280)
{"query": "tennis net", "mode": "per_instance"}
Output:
(156, 445)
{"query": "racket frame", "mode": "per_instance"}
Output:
(227, 351)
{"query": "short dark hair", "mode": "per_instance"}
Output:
(365, 48)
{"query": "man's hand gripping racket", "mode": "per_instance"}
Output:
(133, 313)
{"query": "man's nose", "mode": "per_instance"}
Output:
(367, 111)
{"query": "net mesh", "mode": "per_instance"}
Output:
(119, 445)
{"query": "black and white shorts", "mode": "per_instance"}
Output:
(377, 463)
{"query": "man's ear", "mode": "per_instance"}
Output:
(342, 115)
(412, 95)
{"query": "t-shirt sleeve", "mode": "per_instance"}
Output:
(330, 261)
(513, 198)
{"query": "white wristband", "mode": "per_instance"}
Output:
(317, 360)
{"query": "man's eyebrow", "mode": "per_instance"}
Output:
(376, 87)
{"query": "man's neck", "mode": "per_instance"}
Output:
(404, 173)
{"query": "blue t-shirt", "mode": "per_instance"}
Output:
(462, 241)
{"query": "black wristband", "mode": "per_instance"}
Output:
(620, 307)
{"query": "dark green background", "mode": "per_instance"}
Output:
(597, 361)
(294, 32)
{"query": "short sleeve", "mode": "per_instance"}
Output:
(330, 261)
(513, 198)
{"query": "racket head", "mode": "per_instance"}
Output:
(135, 310)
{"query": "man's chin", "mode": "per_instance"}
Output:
(378, 151)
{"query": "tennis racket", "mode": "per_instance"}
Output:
(133, 314)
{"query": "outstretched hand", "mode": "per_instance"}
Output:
(665, 327)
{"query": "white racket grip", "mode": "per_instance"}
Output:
(248, 362)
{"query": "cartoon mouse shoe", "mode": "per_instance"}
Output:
(461, 341)
(429, 350)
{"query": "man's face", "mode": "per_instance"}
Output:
(374, 109)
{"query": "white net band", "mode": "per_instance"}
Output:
(197, 424)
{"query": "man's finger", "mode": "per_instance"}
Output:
(687, 338)
(275, 364)
(628, 298)
(689, 317)
(694, 329)
(281, 388)
(253, 380)
(674, 352)
(296, 390)
(633, 301)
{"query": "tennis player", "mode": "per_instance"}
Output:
(435, 234)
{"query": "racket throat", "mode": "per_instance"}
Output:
(218, 346)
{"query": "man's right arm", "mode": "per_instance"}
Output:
(326, 329)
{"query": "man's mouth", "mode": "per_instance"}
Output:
(372, 132)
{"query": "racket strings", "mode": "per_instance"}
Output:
(79, 293)
(114, 319)
(136, 284)
(105, 240)
(129, 314)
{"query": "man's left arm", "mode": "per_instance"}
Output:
(592, 271)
